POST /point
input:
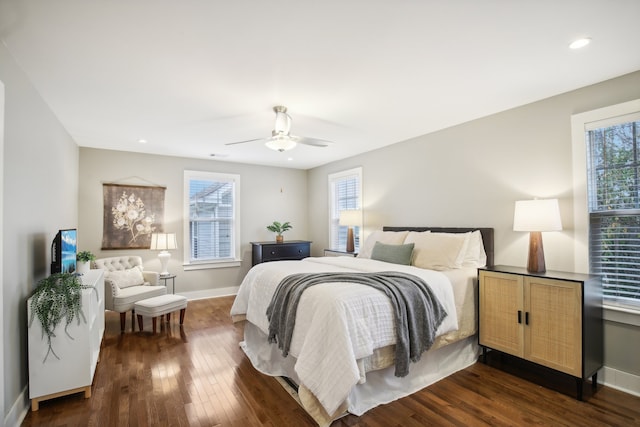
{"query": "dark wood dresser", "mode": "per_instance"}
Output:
(287, 250)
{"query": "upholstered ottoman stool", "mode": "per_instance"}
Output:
(159, 306)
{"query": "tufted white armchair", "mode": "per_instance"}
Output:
(125, 283)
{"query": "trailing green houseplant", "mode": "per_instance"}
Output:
(55, 298)
(279, 228)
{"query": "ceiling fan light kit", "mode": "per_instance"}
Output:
(281, 140)
(280, 143)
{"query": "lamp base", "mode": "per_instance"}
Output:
(164, 261)
(350, 242)
(535, 264)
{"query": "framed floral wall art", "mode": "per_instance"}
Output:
(131, 214)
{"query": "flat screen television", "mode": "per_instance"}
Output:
(63, 251)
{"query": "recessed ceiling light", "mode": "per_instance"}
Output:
(142, 141)
(290, 158)
(579, 43)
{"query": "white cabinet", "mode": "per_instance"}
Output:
(78, 355)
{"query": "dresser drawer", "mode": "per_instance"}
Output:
(271, 251)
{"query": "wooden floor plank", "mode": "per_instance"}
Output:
(197, 375)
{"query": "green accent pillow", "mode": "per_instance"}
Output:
(396, 254)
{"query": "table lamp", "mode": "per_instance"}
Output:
(164, 242)
(536, 216)
(351, 218)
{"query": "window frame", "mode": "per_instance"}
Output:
(333, 215)
(235, 259)
(580, 124)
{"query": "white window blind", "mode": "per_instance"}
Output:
(345, 189)
(613, 187)
(211, 207)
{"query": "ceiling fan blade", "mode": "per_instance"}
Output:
(311, 141)
(242, 142)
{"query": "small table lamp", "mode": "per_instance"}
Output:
(351, 218)
(536, 216)
(163, 242)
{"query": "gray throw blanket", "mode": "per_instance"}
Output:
(418, 313)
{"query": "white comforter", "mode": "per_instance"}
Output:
(337, 323)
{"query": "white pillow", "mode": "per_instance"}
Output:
(126, 278)
(418, 238)
(476, 255)
(438, 251)
(387, 237)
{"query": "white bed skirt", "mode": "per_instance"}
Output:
(381, 386)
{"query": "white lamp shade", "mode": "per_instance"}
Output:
(163, 241)
(350, 217)
(537, 215)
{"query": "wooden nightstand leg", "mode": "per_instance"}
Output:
(579, 382)
(594, 381)
(140, 322)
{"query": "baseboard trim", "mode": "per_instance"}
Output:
(620, 380)
(19, 410)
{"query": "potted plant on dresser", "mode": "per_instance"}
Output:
(279, 228)
(84, 261)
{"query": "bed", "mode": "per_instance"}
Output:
(342, 350)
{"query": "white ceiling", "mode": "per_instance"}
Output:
(190, 76)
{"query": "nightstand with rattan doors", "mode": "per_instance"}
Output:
(553, 319)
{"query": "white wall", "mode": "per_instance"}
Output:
(39, 193)
(267, 194)
(1, 245)
(471, 175)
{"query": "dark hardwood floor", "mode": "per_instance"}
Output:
(198, 376)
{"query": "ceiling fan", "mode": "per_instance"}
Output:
(281, 140)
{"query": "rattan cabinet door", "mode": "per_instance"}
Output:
(501, 311)
(554, 324)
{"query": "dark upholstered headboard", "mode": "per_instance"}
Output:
(487, 235)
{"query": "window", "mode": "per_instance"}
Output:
(613, 192)
(212, 232)
(345, 189)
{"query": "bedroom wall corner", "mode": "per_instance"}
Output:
(40, 185)
(472, 174)
(2, 245)
(281, 197)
